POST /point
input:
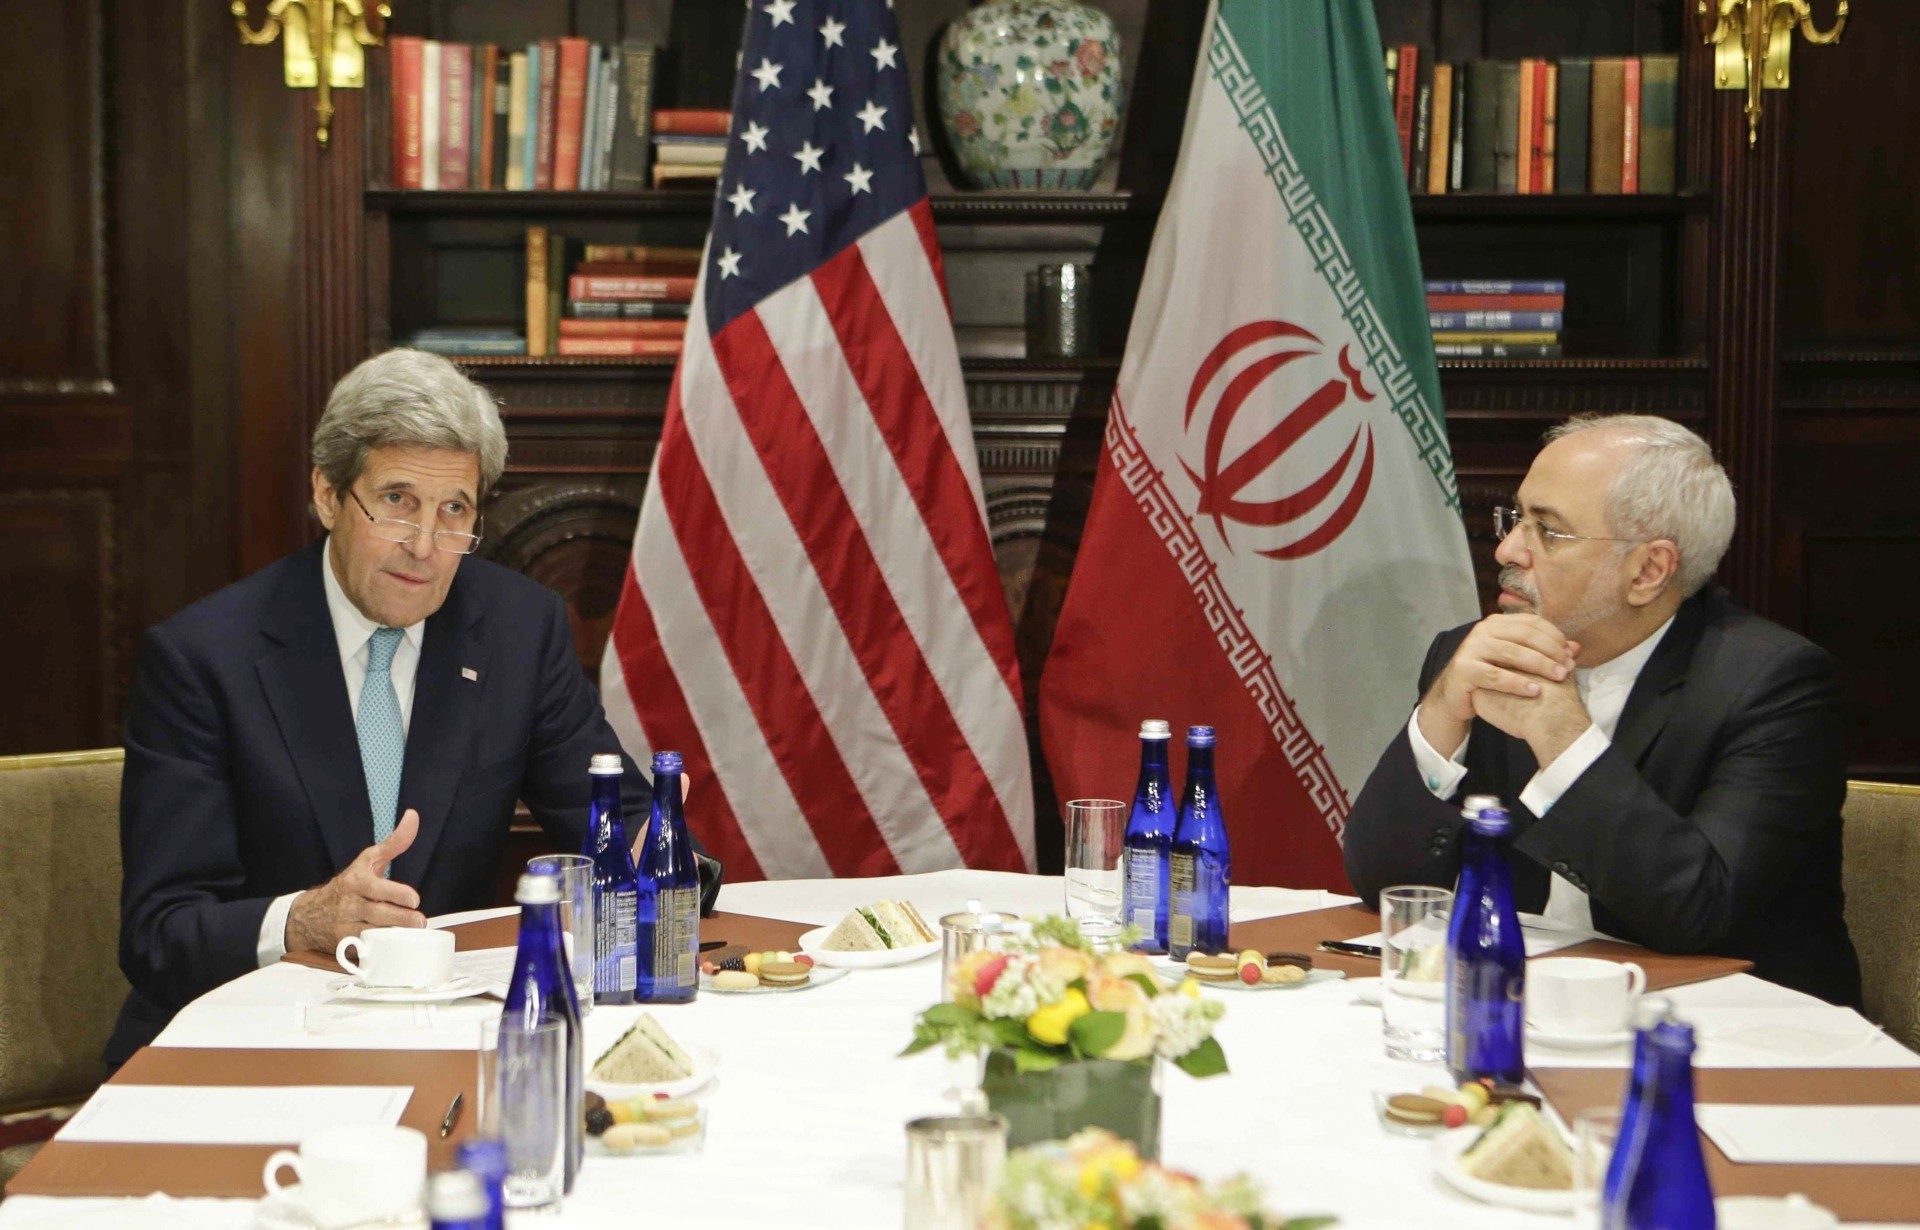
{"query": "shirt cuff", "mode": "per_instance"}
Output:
(1557, 778)
(272, 944)
(1441, 774)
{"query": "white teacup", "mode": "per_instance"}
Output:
(1582, 995)
(413, 957)
(350, 1175)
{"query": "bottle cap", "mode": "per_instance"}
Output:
(1156, 728)
(666, 762)
(455, 1195)
(606, 764)
(1474, 804)
(1492, 822)
(538, 888)
(1651, 1010)
(1199, 736)
(1673, 1035)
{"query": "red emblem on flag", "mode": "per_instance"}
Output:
(1222, 486)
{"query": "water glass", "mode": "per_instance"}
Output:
(523, 1101)
(1594, 1132)
(1096, 838)
(953, 1168)
(1413, 971)
(576, 918)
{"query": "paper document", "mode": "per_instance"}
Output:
(1815, 1135)
(491, 967)
(238, 1115)
(1541, 940)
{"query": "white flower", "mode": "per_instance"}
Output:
(1181, 1023)
(1013, 993)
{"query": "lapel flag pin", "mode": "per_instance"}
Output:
(467, 672)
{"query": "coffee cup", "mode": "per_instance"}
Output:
(1582, 995)
(412, 957)
(351, 1175)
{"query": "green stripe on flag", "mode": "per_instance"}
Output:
(1336, 163)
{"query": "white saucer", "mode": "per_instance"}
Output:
(706, 1062)
(1178, 970)
(1555, 1041)
(811, 942)
(458, 987)
(288, 1211)
(1447, 1148)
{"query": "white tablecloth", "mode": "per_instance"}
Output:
(806, 1117)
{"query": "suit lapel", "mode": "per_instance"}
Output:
(440, 732)
(1658, 687)
(307, 691)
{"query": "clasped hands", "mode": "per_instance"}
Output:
(1515, 671)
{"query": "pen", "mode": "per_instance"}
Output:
(1346, 948)
(453, 1115)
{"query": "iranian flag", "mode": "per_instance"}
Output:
(1275, 534)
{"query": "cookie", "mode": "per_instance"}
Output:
(626, 1137)
(735, 980)
(1416, 1109)
(1282, 975)
(1300, 959)
(1212, 969)
(668, 1111)
(784, 973)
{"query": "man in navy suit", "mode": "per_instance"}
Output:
(337, 741)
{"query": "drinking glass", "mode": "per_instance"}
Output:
(1594, 1132)
(576, 918)
(1096, 837)
(1413, 971)
(523, 1101)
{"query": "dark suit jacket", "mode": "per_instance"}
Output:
(1712, 824)
(243, 779)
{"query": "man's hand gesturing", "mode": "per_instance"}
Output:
(358, 897)
(1513, 654)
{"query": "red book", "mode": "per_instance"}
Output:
(657, 290)
(623, 328)
(638, 269)
(621, 345)
(404, 65)
(456, 95)
(1496, 303)
(690, 257)
(569, 112)
(488, 60)
(543, 141)
(1405, 86)
(692, 123)
(1537, 136)
(1630, 127)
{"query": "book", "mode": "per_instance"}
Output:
(590, 118)
(611, 86)
(1630, 126)
(1495, 350)
(537, 338)
(631, 165)
(636, 269)
(1457, 139)
(1422, 125)
(557, 253)
(1570, 147)
(690, 154)
(627, 309)
(1406, 85)
(456, 120)
(1549, 104)
(576, 327)
(1659, 111)
(1488, 337)
(1392, 60)
(569, 112)
(1482, 125)
(693, 123)
(636, 346)
(544, 133)
(1604, 138)
(480, 342)
(430, 100)
(1442, 301)
(690, 257)
(672, 175)
(665, 289)
(1528, 168)
(530, 106)
(516, 177)
(1494, 319)
(1495, 286)
(1506, 131)
(403, 95)
(486, 94)
(1439, 147)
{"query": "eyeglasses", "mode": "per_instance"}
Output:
(453, 542)
(1506, 520)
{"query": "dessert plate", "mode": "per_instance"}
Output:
(811, 942)
(458, 987)
(1556, 1041)
(706, 1062)
(1447, 1148)
(820, 977)
(1178, 970)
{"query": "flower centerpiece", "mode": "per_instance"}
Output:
(1096, 1179)
(1072, 1036)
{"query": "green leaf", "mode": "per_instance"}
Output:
(1148, 983)
(1025, 1060)
(1096, 1032)
(1308, 1223)
(949, 1014)
(920, 1043)
(1207, 1059)
(1010, 1031)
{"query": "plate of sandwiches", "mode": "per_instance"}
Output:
(1521, 1161)
(884, 933)
(647, 1061)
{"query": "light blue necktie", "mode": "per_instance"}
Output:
(383, 736)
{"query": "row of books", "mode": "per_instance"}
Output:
(606, 299)
(692, 155)
(1601, 124)
(1496, 319)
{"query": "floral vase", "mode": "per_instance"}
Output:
(1030, 93)
(1122, 1096)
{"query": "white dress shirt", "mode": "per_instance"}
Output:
(1603, 690)
(352, 631)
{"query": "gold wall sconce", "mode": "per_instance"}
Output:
(308, 29)
(1751, 41)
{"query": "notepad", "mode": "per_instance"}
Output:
(236, 1115)
(1815, 1135)
(491, 967)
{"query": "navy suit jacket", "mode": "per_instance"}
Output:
(1711, 824)
(243, 779)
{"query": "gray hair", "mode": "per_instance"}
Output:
(1670, 488)
(407, 399)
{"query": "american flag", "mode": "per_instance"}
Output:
(812, 615)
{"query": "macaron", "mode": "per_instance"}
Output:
(784, 973)
(1415, 1109)
(1211, 968)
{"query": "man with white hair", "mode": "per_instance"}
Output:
(337, 741)
(1674, 764)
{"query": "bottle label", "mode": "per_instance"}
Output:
(1180, 883)
(676, 937)
(1145, 866)
(615, 933)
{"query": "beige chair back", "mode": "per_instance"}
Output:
(60, 980)
(1882, 875)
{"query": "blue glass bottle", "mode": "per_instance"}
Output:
(1486, 954)
(616, 891)
(456, 1200)
(486, 1160)
(1199, 866)
(668, 934)
(541, 989)
(1662, 1182)
(1149, 839)
(1650, 1011)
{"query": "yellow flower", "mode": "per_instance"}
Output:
(1110, 994)
(1049, 1025)
(1190, 987)
(1108, 1168)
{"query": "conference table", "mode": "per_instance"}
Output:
(806, 1116)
